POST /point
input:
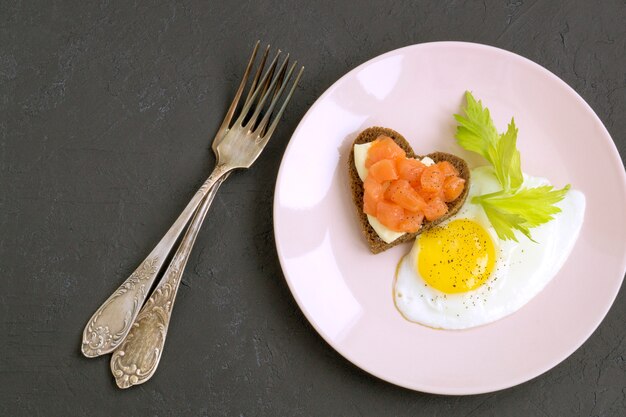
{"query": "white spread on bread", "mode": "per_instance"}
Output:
(427, 161)
(360, 155)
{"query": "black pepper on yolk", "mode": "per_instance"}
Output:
(457, 257)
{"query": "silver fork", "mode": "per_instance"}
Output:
(136, 359)
(111, 323)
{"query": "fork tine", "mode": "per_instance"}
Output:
(261, 127)
(278, 91)
(281, 77)
(282, 108)
(259, 71)
(254, 118)
(248, 104)
(266, 84)
(244, 80)
(263, 88)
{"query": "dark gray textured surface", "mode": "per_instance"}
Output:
(105, 115)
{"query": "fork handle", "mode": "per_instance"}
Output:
(137, 358)
(110, 324)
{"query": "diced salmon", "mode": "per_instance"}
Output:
(373, 193)
(447, 169)
(426, 195)
(409, 169)
(417, 186)
(374, 188)
(432, 179)
(401, 193)
(435, 209)
(389, 214)
(412, 222)
(383, 170)
(452, 188)
(383, 148)
(370, 205)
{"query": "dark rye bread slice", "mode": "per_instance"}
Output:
(376, 244)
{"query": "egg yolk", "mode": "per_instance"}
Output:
(457, 257)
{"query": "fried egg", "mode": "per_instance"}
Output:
(460, 274)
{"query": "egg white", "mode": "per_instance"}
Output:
(522, 269)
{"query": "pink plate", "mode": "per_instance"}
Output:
(345, 291)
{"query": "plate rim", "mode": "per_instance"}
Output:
(615, 155)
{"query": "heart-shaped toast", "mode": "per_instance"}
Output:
(375, 243)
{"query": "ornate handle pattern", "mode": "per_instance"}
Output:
(136, 360)
(111, 323)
